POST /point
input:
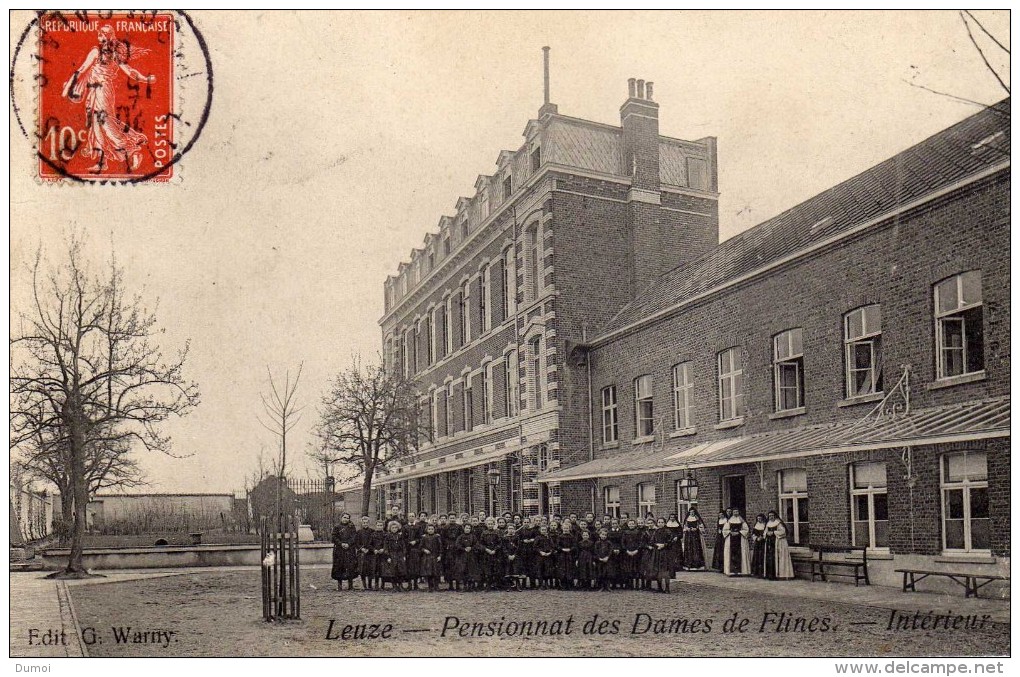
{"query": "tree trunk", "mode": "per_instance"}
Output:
(366, 492)
(81, 500)
(66, 512)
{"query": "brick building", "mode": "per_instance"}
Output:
(582, 341)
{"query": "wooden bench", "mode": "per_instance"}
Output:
(823, 565)
(969, 581)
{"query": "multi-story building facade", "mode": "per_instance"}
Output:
(846, 363)
(486, 314)
(583, 342)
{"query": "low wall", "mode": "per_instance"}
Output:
(179, 556)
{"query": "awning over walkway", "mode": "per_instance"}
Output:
(953, 423)
(468, 459)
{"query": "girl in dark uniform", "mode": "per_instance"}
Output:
(345, 553)
(662, 554)
(632, 543)
(513, 564)
(362, 541)
(490, 557)
(545, 563)
(616, 538)
(459, 551)
(393, 559)
(414, 533)
(603, 557)
(649, 556)
(431, 557)
(376, 552)
(566, 553)
(450, 533)
(526, 551)
(585, 561)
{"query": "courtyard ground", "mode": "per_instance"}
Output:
(218, 613)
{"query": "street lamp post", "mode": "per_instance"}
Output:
(493, 475)
(688, 489)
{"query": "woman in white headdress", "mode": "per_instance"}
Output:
(736, 549)
(778, 563)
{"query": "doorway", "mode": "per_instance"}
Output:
(733, 493)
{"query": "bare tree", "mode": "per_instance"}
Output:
(967, 18)
(368, 420)
(89, 381)
(281, 414)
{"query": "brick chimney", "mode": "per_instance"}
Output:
(639, 117)
(548, 107)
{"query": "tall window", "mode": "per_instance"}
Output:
(644, 414)
(788, 368)
(512, 383)
(417, 349)
(463, 228)
(862, 334)
(446, 245)
(543, 457)
(959, 325)
(465, 311)
(509, 282)
(430, 418)
(536, 158)
(533, 261)
(449, 410)
(731, 384)
(447, 334)
(466, 495)
(965, 523)
(611, 497)
(439, 421)
(645, 498)
(683, 388)
(483, 298)
(429, 340)
(537, 376)
(610, 422)
(793, 503)
(508, 187)
(869, 505)
(484, 204)
(486, 395)
(432, 259)
(469, 406)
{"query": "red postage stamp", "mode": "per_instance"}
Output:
(106, 96)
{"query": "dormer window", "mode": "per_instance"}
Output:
(536, 158)
(463, 228)
(432, 259)
(508, 187)
(446, 245)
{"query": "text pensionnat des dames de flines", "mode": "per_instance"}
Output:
(645, 624)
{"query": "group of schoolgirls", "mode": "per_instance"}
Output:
(513, 552)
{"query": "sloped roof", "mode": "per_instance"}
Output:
(968, 420)
(961, 151)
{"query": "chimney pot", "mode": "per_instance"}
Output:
(640, 89)
(648, 90)
(632, 87)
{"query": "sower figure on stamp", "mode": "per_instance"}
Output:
(96, 81)
(345, 553)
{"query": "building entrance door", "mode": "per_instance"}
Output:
(733, 493)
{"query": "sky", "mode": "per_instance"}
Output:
(337, 140)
